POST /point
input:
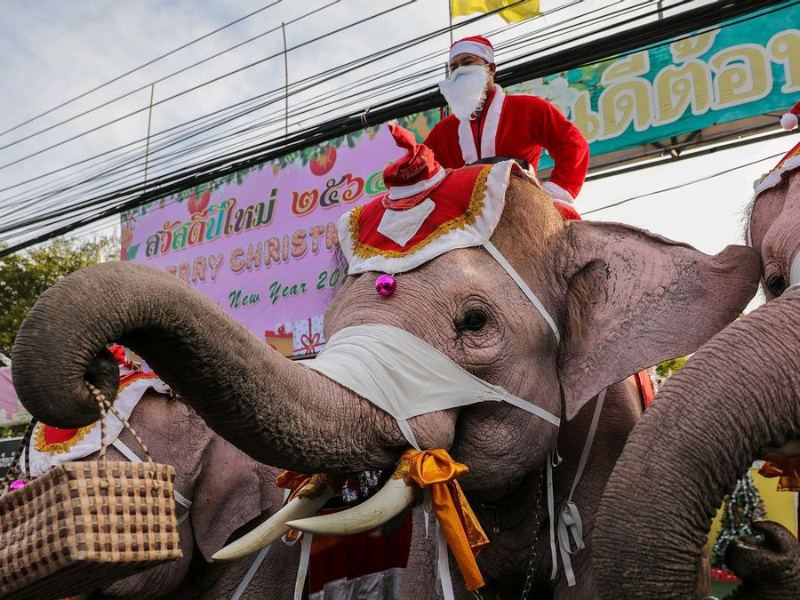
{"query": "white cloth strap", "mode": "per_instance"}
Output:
(466, 139)
(443, 564)
(398, 192)
(125, 450)
(570, 524)
(405, 377)
(302, 569)
(251, 572)
(495, 253)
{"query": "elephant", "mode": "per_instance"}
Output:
(622, 298)
(734, 401)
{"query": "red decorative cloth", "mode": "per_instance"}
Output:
(414, 176)
(527, 124)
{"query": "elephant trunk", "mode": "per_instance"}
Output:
(739, 394)
(274, 409)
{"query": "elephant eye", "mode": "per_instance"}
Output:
(776, 285)
(472, 320)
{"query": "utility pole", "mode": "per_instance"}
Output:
(286, 81)
(149, 122)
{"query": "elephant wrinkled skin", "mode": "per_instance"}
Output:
(738, 396)
(624, 299)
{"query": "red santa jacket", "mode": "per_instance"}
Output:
(516, 127)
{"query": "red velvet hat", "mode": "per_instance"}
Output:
(789, 120)
(790, 162)
(474, 44)
(413, 177)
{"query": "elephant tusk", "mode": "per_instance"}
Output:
(274, 527)
(391, 500)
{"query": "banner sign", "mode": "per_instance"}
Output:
(262, 243)
(746, 69)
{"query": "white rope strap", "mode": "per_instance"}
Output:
(251, 572)
(125, 450)
(495, 253)
(569, 520)
(302, 569)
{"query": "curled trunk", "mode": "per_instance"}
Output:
(276, 410)
(739, 394)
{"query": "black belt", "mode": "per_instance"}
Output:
(496, 159)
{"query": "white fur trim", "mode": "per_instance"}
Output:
(401, 225)
(398, 192)
(467, 142)
(774, 178)
(126, 401)
(556, 191)
(471, 47)
(474, 235)
(492, 112)
(789, 121)
(489, 135)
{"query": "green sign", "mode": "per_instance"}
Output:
(746, 68)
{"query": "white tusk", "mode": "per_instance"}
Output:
(274, 527)
(391, 500)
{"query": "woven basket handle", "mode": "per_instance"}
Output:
(105, 406)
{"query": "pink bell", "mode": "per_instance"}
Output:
(385, 285)
(16, 484)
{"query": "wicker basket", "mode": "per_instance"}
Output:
(86, 524)
(83, 525)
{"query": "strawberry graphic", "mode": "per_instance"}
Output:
(323, 161)
(198, 205)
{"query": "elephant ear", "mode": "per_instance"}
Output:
(635, 299)
(232, 490)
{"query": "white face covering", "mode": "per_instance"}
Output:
(402, 375)
(465, 89)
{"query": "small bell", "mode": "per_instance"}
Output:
(385, 285)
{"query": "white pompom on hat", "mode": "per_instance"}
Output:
(790, 119)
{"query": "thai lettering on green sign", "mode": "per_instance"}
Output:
(739, 70)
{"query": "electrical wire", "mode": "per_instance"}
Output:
(682, 185)
(267, 147)
(139, 68)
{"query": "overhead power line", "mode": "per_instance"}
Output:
(139, 68)
(592, 51)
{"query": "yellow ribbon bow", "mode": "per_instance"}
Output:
(435, 469)
(786, 468)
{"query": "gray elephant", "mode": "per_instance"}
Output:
(736, 400)
(622, 300)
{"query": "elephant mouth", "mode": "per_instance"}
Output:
(371, 499)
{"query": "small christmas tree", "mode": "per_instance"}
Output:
(740, 509)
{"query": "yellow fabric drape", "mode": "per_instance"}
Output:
(520, 12)
(435, 469)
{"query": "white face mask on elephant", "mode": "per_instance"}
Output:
(462, 212)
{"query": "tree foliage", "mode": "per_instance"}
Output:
(25, 275)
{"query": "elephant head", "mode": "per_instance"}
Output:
(736, 398)
(621, 299)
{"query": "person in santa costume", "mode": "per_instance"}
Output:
(486, 123)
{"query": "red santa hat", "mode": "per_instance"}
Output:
(474, 44)
(789, 120)
(428, 211)
(413, 177)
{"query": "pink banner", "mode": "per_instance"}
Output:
(261, 243)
